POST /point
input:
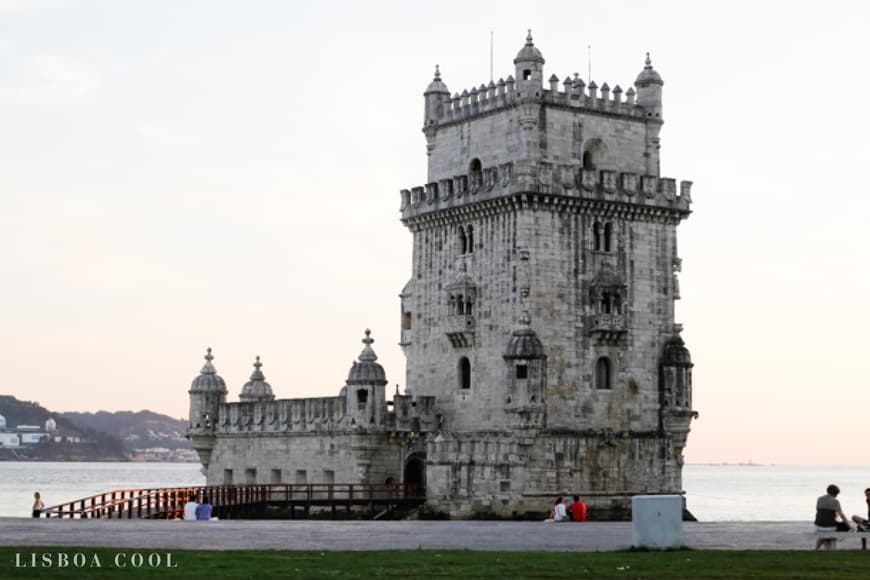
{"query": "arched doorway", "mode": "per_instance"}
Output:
(415, 474)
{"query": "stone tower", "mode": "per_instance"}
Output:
(540, 310)
(207, 392)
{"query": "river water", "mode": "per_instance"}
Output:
(713, 492)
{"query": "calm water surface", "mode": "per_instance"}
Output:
(713, 492)
(66, 481)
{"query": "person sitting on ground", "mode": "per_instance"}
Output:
(551, 516)
(864, 523)
(38, 505)
(558, 513)
(827, 510)
(190, 508)
(203, 510)
(577, 510)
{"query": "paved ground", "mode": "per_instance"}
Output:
(405, 535)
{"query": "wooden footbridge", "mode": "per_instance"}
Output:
(273, 501)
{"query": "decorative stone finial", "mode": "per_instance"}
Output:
(529, 39)
(525, 319)
(208, 368)
(367, 354)
(257, 375)
(648, 62)
(437, 73)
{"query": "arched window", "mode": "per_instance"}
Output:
(464, 373)
(596, 236)
(602, 373)
(587, 160)
(463, 241)
(460, 305)
(605, 303)
(475, 174)
(608, 234)
(469, 235)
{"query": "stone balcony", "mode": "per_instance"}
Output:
(460, 330)
(608, 328)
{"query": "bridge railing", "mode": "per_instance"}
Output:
(169, 502)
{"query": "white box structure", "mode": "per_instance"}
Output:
(657, 521)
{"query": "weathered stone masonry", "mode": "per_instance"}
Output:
(538, 323)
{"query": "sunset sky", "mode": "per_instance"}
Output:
(176, 175)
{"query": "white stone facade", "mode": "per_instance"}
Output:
(538, 323)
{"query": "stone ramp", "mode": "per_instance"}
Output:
(390, 535)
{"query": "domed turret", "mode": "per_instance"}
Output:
(649, 89)
(529, 53)
(526, 367)
(676, 373)
(364, 391)
(367, 371)
(435, 96)
(524, 342)
(50, 425)
(2, 422)
(207, 392)
(529, 65)
(256, 389)
(208, 380)
(676, 354)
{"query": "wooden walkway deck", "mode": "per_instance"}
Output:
(267, 501)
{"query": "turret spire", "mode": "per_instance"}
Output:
(257, 375)
(367, 354)
(208, 368)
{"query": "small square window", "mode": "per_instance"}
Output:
(522, 371)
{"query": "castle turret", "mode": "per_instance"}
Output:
(649, 89)
(256, 389)
(50, 425)
(207, 392)
(2, 422)
(675, 384)
(365, 388)
(649, 96)
(436, 96)
(526, 362)
(529, 65)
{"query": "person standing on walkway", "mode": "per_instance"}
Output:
(827, 510)
(38, 505)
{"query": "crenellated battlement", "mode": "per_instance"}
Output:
(317, 414)
(572, 92)
(284, 415)
(547, 178)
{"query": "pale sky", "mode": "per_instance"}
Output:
(182, 174)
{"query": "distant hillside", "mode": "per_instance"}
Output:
(77, 443)
(138, 430)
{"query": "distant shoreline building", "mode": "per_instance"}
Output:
(538, 323)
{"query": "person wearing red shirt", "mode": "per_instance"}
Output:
(578, 510)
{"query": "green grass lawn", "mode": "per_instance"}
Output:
(438, 564)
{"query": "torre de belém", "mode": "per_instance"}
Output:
(538, 322)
